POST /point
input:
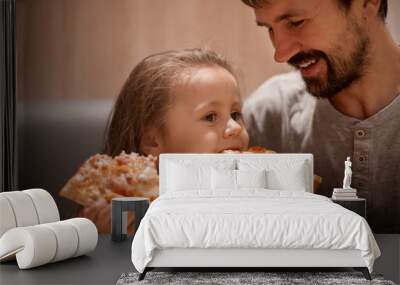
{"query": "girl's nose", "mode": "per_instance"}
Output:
(233, 128)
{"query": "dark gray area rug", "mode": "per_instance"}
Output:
(228, 278)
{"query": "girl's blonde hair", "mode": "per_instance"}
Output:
(146, 95)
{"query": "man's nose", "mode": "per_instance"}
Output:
(233, 128)
(286, 46)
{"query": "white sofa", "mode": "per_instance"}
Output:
(31, 231)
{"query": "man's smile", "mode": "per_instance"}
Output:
(309, 68)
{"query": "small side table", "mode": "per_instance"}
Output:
(357, 205)
(119, 214)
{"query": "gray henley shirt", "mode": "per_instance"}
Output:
(281, 115)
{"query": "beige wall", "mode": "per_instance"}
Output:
(86, 48)
(394, 19)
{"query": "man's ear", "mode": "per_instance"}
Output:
(371, 8)
(151, 142)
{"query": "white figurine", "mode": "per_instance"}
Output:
(347, 174)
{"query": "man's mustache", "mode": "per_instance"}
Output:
(306, 56)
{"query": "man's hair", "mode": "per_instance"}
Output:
(383, 8)
(146, 95)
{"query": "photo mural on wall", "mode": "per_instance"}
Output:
(103, 89)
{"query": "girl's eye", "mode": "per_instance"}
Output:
(212, 117)
(236, 116)
(296, 23)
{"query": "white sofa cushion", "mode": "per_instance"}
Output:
(26, 208)
(67, 240)
(23, 208)
(7, 218)
(45, 205)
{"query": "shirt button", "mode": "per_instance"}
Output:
(360, 133)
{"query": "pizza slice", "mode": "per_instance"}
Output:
(104, 177)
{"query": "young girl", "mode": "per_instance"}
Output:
(174, 102)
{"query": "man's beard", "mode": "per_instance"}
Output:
(342, 70)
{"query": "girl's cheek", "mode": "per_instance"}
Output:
(246, 137)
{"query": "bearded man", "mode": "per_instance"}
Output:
(342, 100)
